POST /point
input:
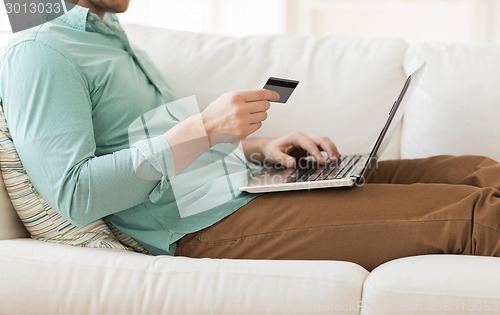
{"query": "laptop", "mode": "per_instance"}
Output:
(349, 171)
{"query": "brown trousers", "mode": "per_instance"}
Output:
(440, 205)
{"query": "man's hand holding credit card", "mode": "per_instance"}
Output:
(284, 87)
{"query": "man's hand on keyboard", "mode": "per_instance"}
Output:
(287, 150)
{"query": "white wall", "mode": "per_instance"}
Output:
(176, 14)
(244, 17)
(466, 21)
(230, 17)
(469, 21)
(4, 20)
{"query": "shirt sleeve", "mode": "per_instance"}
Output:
(49, 113)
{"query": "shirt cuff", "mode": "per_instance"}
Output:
(156, 153)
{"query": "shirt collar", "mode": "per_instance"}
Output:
(76, 18)
(82, 19)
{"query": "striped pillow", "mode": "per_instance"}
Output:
(41, 221)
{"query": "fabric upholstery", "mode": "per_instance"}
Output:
(81, 281)
(455, 108)
(434, 284)
(10, 225)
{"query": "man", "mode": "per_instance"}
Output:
(74, 88)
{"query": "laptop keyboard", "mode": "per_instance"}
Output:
(325, 172)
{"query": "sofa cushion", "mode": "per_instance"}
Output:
(73, 280)
(37, 215)
(346, 89)
(434, 284)
(456, 107)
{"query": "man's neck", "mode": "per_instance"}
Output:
(93, 8)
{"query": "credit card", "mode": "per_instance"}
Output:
(283, 87)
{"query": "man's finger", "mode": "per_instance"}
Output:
(254, 127)
(306, 143)
(328, 146)
(259, 95)
(258, 117)
(259, 106)
(283, 159)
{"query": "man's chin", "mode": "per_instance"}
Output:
(115, 11)
(121, 9)
(106, 5)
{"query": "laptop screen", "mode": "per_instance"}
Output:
(395, 116)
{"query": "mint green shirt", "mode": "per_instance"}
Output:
(71, 89)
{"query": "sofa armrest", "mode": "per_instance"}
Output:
(44, 278)
(11, 226)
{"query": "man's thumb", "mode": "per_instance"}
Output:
(285, 160)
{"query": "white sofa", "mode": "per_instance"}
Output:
(346, 89)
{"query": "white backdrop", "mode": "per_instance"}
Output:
(4, 21)
(183, 14)
(231, 17)
(465, 21)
